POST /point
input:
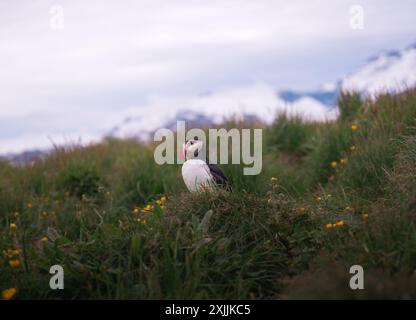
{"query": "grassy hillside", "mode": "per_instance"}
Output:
(330, 195)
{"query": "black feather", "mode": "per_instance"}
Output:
(219, 177)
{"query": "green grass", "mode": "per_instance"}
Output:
(267, 239)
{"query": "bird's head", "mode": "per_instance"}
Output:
(192, 149)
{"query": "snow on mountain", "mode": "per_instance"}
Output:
(388, 72)
(260, 102)
(391, 71)
(325, 96)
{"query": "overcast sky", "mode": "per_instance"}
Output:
(111, 57)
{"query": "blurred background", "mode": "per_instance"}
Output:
(78, 71)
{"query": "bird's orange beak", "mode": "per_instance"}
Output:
(183, 156)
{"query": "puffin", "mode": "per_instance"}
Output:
(199, 174)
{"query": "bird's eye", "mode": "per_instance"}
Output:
(192, 143)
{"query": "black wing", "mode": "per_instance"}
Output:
(219, 177)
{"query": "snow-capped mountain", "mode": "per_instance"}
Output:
(327, 97)
(260, 102)
(391, 71)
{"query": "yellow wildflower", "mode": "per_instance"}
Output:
(365, 216)
(340, 223)
(163, 198)
(140, 221)
(15, 263)
(29, 205)
(354, 127)
(8, 294)
(273, 179)
(318, 198)
(344, 161)
(334, 164)
(328, 225)
(302, 210)
(147, 208)
(44, 239)
(13, 226)
(8, 253)
(353, 148)
(136, 210)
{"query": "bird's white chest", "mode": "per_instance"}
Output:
(196, 175)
